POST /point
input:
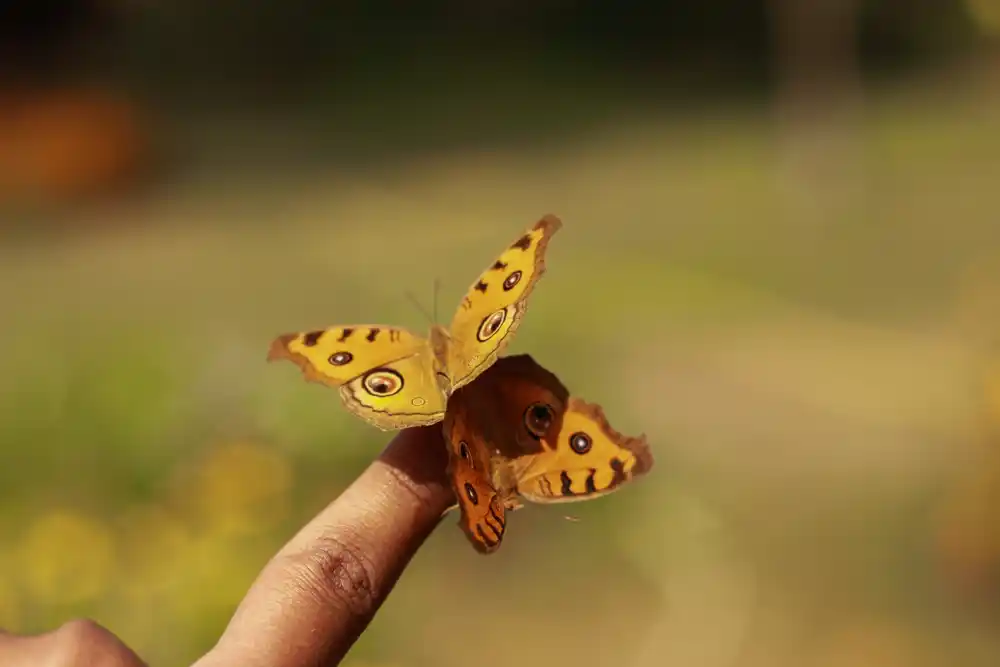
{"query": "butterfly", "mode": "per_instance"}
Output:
(394, 378)
(517, 433)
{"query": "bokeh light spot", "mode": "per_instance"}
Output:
(66, 558)
(241, 489)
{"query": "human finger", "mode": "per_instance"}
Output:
(315, 597)
(77, 643)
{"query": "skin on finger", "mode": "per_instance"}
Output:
(316, 596)
(18, 651)
(77, 643)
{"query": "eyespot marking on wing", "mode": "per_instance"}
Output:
(341, 358)
(383, 382)
(491, 325)
(580, 442)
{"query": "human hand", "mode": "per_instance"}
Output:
(322, 589)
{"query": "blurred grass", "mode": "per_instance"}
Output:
(808, 376)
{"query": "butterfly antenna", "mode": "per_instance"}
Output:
(416, 302)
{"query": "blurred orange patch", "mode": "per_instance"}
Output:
(68, 144)
(871, 642)
(968, 537)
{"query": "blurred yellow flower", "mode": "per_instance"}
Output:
(241, 489)
(66, 558)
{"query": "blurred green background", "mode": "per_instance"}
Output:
(781, 261)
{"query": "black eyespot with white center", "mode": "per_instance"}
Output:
(341, 358)
(538, 419)
(580, 442)
(511, 281)
(463, 450)
(383, 382)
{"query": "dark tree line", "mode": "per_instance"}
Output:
(304, 36)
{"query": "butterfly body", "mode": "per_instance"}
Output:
(517, 434)
(394, 378)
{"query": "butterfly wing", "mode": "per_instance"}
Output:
(386, 375)
(495, 304)
(554, 447)
(516, 431)
(582, 458)
(520, 403)
(470, 471)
